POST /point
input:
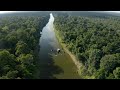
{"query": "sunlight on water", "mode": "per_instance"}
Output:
(51, 20)
(49, 26)
(52, 64)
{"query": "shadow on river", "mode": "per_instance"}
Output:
(51, 64)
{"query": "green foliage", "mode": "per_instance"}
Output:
(94, 40)
(19, 37)
(25, 59)
(116, 73)
(22, 48)
(100, 74)
(12, 74)
(109, 62)
(6, 58)
(111, 76)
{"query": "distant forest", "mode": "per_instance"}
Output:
(95, 40)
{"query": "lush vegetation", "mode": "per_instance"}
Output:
(95, 41)
(19, 39)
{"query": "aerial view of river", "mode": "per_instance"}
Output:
(54, 65)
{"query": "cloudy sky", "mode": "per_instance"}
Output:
(6, 11)
(2, 12)
(114, 11)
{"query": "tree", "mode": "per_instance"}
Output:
(7, 62)
(19, 37)
(21, 48)
(116, 73)
(26, 59)
(12, 74)
(109, 62)
(27, 62)
(94, 40)
(6, 58)
(94, 60)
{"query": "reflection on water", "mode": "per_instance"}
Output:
(52, 65)
(48, 42)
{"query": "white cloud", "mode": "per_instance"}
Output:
(114, 11)
(2, 12)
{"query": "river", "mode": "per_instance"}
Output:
(53, 65)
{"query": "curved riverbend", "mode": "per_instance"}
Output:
(53, 65)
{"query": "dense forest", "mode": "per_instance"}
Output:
(19, 39)
(95, 41)
(93, 37)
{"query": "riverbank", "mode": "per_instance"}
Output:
(50, 65)
(80, 67)
(77, 63)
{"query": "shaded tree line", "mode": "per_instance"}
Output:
(19, 39)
